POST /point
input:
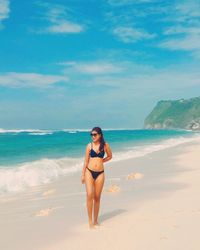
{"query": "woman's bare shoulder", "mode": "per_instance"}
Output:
(88, 145)
(107, 144)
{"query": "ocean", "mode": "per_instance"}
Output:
(33, 157)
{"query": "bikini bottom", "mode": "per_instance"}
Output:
(95, 174)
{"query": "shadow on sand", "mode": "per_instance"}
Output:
(109, 215)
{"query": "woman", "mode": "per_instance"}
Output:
(93, 172)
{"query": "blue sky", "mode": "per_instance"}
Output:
(85, 63)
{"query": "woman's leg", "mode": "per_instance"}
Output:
(89, 184)
(98, 186)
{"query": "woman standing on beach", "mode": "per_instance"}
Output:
(93, 172)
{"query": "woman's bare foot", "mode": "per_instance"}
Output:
(91, 225)
(96, 223)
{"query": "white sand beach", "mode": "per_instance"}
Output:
(151, 202)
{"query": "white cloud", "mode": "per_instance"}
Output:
(187, 9)
(64, 27)
(155, 82)
(179, 23)
(4, 11)
(174, 30)
(131, 35)
(128, 23)
(182, 12)
(127, 2)
(102, 68)
(188, 43)
(18, 80)
(91, 68)
(183, 32)
(139, 78)
(58, 20)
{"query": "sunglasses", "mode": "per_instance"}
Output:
(93, 134)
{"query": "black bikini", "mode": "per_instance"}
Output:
(93, 153)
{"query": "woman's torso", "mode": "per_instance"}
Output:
(96, 158)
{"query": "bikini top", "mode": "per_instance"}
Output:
(93, 153)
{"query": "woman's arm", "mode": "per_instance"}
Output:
(86, 161)
(108, 152)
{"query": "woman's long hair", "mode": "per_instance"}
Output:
(102, 141)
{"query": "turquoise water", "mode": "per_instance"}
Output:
(19, 147)
(33, 157)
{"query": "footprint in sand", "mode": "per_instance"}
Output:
(132, 176)
(179, 210)
(196, 210)
(44, 212)
(112, 189)
(163, 237)
(175, 226)
(49, 192)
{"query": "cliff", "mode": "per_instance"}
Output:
(183, 114)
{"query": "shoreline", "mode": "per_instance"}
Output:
(54, 216)
(29, 174)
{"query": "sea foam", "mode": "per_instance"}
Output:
(35, 173)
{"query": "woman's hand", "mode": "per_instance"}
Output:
(83, 178)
